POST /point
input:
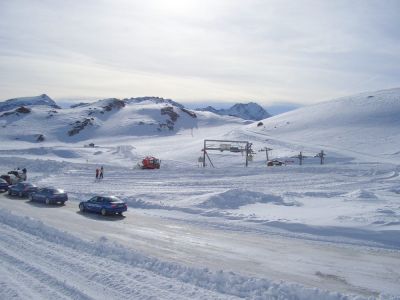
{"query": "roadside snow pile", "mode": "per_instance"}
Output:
(226, 283)
(235, 198)
(362, 195)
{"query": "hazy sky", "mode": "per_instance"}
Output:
(199, 50)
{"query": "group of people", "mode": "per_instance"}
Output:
(99, 173)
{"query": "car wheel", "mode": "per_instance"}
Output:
(81, 207)
(20, 194)
(47, 201)
(9, 192)
(103, 211)
(119, 213)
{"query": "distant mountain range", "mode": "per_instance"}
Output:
(38, 119)
(366, 124)
(249, 111)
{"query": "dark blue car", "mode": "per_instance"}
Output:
(22, 189)
(3, 185)
(104, 205)
(49, 196)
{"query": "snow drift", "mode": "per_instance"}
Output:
(235, 198)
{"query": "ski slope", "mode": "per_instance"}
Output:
(364, 126)
(314, 231)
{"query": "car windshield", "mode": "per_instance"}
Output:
(2, 181)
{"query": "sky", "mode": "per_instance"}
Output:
(200, 51)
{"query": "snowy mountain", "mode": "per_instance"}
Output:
(249, 111)
(28, 101)
(366, 123)
(38, 120)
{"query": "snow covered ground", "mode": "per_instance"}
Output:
(314, 231)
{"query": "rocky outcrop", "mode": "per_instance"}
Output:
(169, 110)
(79, 104)
(173, 117)
(190, 113)
(40, 138)
(156, 100)
(115, 103)
(108, 105)
(79, 126)
(17, 112)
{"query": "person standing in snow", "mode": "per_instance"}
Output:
(97, 173)
(24, 176)
(101, 172)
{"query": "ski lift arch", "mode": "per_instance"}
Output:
(226, 145)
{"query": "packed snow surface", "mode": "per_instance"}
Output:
(308, 231)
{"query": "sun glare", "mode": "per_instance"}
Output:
(177, 7)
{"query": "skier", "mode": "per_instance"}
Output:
(97, 173)
(101, 172)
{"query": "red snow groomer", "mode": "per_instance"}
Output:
(150, 162)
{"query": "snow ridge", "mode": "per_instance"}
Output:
(156, 100)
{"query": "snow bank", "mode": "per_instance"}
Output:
(223, 282)
(235, 198)
(362, 195)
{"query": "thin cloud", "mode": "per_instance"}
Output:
(268, 51)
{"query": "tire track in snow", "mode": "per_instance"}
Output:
(85, 272)
(52, 289)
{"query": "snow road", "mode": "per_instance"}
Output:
(40, 269)
(355, 269)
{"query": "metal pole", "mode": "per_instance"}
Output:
(209, 159)
(247, 154)
(204, 154)
(322, 157)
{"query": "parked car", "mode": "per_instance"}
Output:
(22, 189)
(104, 205)
(275, 162)
(3, 185)
(49, 196)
